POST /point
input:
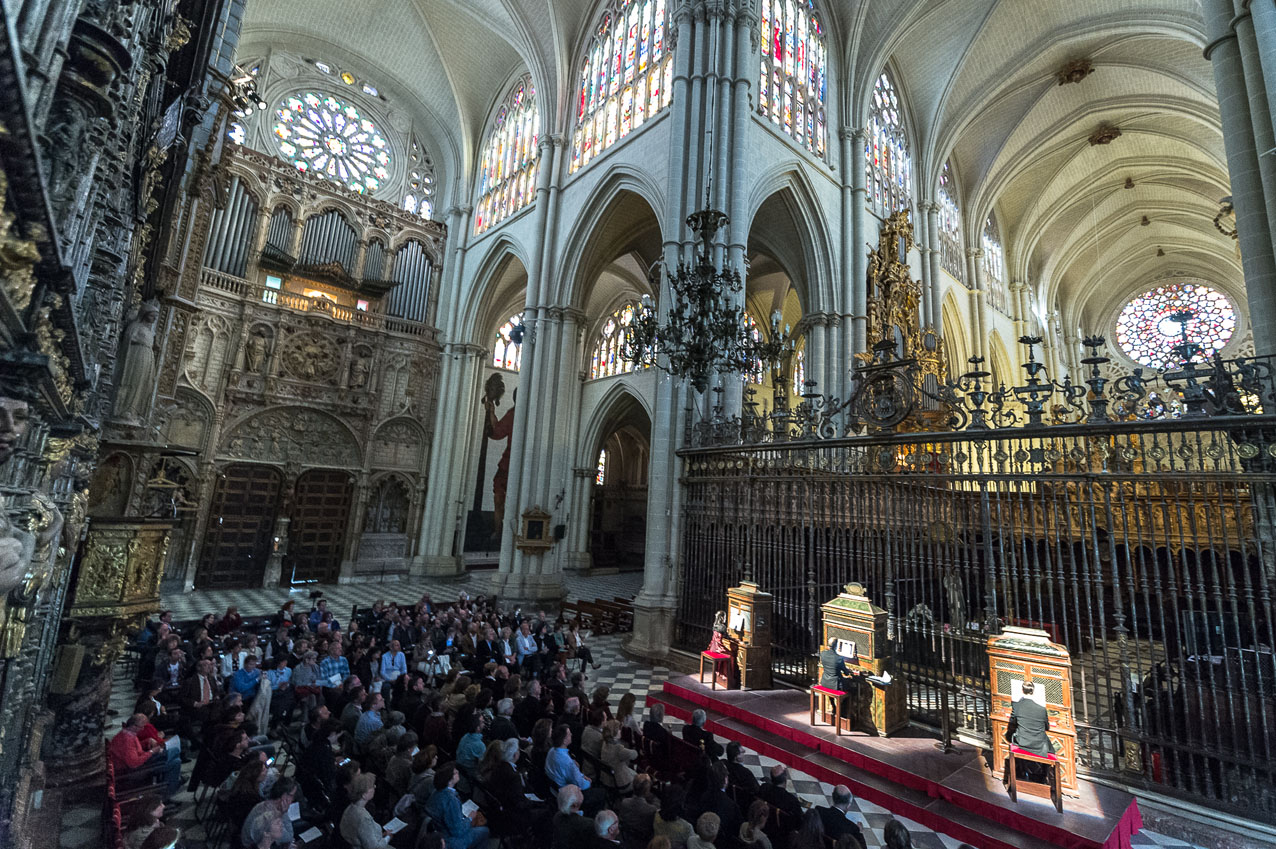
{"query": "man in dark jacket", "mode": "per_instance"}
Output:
(716, 801)
(834, 818)
(571, 830)
(741, 776)
(695, 734)
(774, 793)
(1028, 724)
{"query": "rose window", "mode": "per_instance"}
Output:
(324, 135)
(1151, 325)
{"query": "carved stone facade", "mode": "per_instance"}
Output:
(103, 107)
(296, 367)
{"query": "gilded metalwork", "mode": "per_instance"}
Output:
(18, 256)
(120, 569)
(1142, 547)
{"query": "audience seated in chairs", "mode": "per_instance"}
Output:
(130, 755)
(473, 716)
(147, 816)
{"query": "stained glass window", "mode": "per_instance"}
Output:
(601, 477)
(994, 265)
(951, 255)
(238, 133)
(1147, 332)
(626, 77)
(507, 169)
(794, 79)
(419, 197)
(507, 353)
(799, 372)
(606, 360)
(324, 135)
(890, 165)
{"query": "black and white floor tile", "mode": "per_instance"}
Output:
(81, 826)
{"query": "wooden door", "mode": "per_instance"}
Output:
(242, 517)
(317, 532)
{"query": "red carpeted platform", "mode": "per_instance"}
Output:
(953, 793)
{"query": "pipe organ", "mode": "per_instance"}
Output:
(374, 261)
(231, 232)
(410, 299)
(329, 238)
(279, 236)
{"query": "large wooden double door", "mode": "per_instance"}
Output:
(248, 501)
(236, 546)
(317, 530)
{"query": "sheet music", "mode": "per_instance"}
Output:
(1038, 693)
(847, 649)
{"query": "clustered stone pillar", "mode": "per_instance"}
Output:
(1243, 53)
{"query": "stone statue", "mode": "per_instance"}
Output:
(255, 352)
(137, 379)
(359, 372)
(16, 546)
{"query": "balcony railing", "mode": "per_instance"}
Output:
(241, 288)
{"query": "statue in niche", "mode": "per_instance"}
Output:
(64, 135)
(359, 370)
(497, 429)
(16, 546)
(255, 352)
(137, 379)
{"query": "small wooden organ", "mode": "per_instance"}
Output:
(857, 629)
(749, 623)
(1026, 654)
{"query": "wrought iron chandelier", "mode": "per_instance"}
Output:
(704, 332)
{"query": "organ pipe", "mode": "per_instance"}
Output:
(374, 261)
(329, 238)
(410, 299)
(231, 232)
(280, 233)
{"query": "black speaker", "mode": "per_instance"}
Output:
(560, 531)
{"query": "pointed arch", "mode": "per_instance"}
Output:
(955, 333)
(499, 288)
(806, 250)
(619, 404)
(999, 361)
(619, 217)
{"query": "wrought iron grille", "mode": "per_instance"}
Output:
(1146, 547)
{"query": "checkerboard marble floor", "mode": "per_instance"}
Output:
(81, 826)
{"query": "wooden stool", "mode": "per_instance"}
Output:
(820, 693)
(1049, 790)
(716, 657)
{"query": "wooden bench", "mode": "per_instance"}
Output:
(819, 694)
(1049, 790)
(620, 615)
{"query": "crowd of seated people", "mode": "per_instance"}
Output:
(448, 726)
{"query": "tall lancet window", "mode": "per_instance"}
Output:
(951, 255)
(994, 265)
(890, 164)
(507, 167)
(626, 77)
(794, 80)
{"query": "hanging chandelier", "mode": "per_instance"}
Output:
(704, 333)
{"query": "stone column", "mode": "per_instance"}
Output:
(656, 601)
(1252, 223)
(1260, 113)
(931, 316)
(261, 230)
(979, 339)
(861, 239)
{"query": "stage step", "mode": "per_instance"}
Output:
(912, 804)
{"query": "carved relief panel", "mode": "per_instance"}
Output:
(292, 435)
(399, 444)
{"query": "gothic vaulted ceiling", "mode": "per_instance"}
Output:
(979, 78)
